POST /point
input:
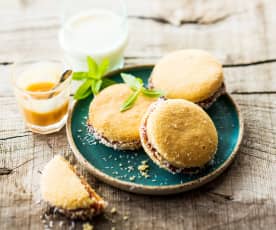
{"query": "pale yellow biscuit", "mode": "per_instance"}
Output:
(117, 128)
(61, 187)
(177, 133)
(189, 74)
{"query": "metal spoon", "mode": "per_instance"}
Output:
(64, 76)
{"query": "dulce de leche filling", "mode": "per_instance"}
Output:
(207, 102)
(131, 145)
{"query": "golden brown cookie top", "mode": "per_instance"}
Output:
(182, 133)
(189, 74)
(106, 118)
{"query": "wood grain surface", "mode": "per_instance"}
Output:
(240, 33)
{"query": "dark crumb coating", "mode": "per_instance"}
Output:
(52, 213)
(78, 214)
(114, 144)
(205, 104)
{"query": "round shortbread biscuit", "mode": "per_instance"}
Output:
(180, 132)
(115, 127)
(189, 74)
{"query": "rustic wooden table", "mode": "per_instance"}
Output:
(240, 33)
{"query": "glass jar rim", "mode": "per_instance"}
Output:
(75, 51)
(31, 62)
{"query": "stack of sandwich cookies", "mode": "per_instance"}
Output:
(193, 75)
(178, 135)
(174, 131)
(119, 130)
(68, 192)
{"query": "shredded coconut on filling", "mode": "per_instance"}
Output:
(132, 145)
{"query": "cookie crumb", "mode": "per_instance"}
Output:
(51, 224)
(125, 218)
(87, 226)
(144, 169)
(130, 168)
(132, 178)
(113, 210)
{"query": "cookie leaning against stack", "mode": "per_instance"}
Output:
(189, 74)
(178, 135)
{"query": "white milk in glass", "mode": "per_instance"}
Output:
(99, 33)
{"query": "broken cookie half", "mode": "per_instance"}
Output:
(63, 188)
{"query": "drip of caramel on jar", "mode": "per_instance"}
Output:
(44, 118)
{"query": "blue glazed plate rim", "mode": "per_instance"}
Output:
(147, 189)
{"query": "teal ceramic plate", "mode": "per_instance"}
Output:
(120, 168)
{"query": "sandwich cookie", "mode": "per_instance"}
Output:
(63, 188)
(178, 135)
(119, 130)
(189, 74)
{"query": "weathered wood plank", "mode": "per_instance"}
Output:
(248, 36)
(246, 79)
(243, 197)
(231, 44)
(240, 33)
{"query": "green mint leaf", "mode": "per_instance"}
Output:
(83, 96)
(130, 101)
(152, 93)
(107, 82)
(140, 81)
(82, 93)
(136, 84)
(93, 78)
(98, 85)
(133, 82)
(92, 86)
(103, 67)
(92, 66)
(78, 76)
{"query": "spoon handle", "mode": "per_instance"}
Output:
(64, 76)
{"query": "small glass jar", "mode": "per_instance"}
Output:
(43, 102)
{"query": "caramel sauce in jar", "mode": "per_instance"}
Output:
(40, 87)
(50, 116)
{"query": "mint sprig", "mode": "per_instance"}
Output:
(93, 81)
(137, 86)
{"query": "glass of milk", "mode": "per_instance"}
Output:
(97, 28)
